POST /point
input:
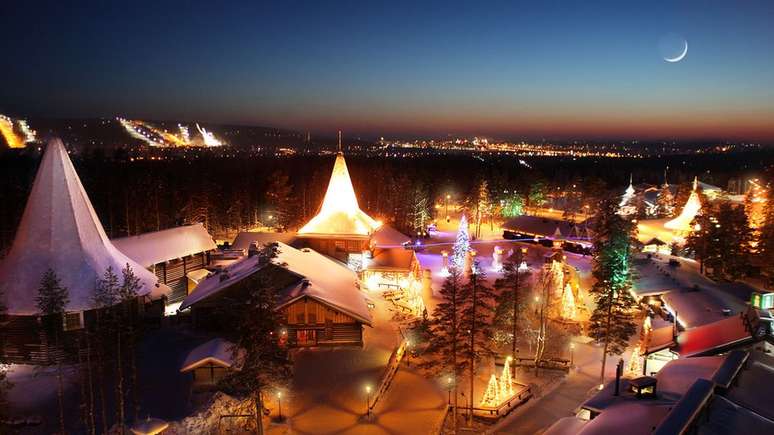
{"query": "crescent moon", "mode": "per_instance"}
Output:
(680, 57)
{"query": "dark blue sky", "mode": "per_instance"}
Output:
(509, 69)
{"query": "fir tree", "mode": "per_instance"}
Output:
(461, 245)
(477, 310)
(665, 202)
(51, 300)
(5, 385)
(279, 196)
(264, 363)
(448, 337)
(511, 290)
(107, 294)
(612, 322)
(131, 286)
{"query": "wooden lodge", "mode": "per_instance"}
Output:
(319, 298)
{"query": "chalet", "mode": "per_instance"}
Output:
(319, 297)
(174, 255)
(210, 362)
(60, 231)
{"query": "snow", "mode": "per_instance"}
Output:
(678, 375)
(388, 237)
(165, 245)
(327, 281)
(637, 418)
(244, 239)
(217, 351)
(60, 230)
(340, 212)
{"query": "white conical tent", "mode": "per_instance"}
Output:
(340, 213)
(689, 212)
(60, 230)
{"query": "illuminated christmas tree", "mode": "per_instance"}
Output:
(491, 397)
(461, 245)
(506, 381)
(635, 365)
(568, 303)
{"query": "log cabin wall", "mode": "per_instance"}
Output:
(338, 248)
(173, 274)
(311, 323)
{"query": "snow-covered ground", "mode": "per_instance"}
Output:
(329, 387)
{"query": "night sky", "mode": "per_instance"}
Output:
(511, 69)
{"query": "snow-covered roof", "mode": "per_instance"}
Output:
(329, 282)
(60, 230)
(340, 213)
(387, 236)
(225, 278)
(545, 227)
(165, 245)
(391, 259)
(216, 351)
(677, 376)
(320, 278)
(245, 238)
(694, 307)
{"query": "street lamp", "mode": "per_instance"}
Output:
(449, 381)
(408, 353)
(368, 400)
(448, 197)
(279, 404)
(572, 354)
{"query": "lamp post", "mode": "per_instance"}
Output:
(515, 306)
(368, 401)
(279, 405)
(448, 197)
(408, 353)
(572, 354)
(449, 389)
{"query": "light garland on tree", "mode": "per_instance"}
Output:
(491, 397)
(506, 381)
(568, 303)
(461, 245)
(634, 368)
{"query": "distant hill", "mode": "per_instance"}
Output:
(109, 133)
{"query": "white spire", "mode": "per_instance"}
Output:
(60, 230)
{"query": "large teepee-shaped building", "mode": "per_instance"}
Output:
(682, 223)
(340, 227)
(59, 230)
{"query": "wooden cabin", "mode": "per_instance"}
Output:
(311, 322)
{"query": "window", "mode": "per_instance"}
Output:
(300, 318)
(312, 318)
(73, 321)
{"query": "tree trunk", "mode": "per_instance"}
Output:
(101, 382)
(257, 399)
(472, 346)
(60, 385)
(515, 313)
(607, 340)
(92, 424)
(120, 412)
